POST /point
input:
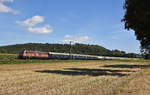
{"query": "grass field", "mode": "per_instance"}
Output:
(13, 59)
(74, 77)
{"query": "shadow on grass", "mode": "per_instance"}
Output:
(97, 70)
(127, 66)
(86, 71)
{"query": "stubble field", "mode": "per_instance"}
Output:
(75, 78)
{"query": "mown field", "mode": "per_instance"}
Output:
(54, 77)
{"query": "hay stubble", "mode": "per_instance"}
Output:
(60, 79)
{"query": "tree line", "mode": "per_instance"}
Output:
(66, 48)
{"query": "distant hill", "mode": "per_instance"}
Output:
(65, 48)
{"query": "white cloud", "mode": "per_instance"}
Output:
(5, 9)
(6, 1)
(31, 21)
(30, 25)
(83, 38)
(44, 30)
(67, 36)
(75, 39)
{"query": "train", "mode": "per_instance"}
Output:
(27, 54)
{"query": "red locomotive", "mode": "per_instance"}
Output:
(33, 54)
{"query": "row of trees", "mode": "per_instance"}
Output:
(65, 48)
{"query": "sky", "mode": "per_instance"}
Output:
(95, 22)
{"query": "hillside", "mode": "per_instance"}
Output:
(65, 48)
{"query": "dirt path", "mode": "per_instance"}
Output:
(93, 78)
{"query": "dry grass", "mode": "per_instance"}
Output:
(75, 78)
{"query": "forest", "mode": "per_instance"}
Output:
(67, 48)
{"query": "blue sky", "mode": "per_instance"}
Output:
(61, 21)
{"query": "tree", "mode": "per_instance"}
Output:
(137, 18)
